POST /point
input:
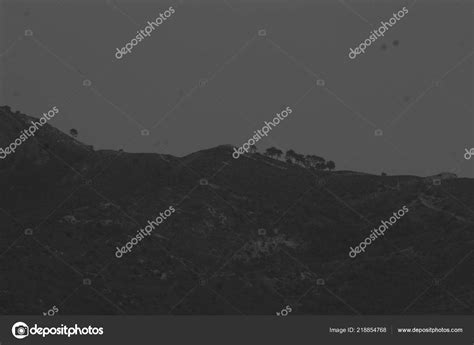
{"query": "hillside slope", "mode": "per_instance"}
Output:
(249, 236)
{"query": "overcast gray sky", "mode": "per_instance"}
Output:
(425, 127)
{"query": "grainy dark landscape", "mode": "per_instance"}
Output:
(304, 168)
(248, 235)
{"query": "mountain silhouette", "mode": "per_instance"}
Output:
(250, 235)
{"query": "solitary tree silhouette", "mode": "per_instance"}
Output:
(330, 165)
(73, 132)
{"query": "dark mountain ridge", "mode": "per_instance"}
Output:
(249, 235)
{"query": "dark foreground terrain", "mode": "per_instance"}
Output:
(249, 236)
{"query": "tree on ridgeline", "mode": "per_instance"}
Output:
(300, 159)
(270, 152)
(273, 152)
(316, 162)
(73, 132)
(278, 153)
(290, 155)
(330, 165)
(308, 161)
